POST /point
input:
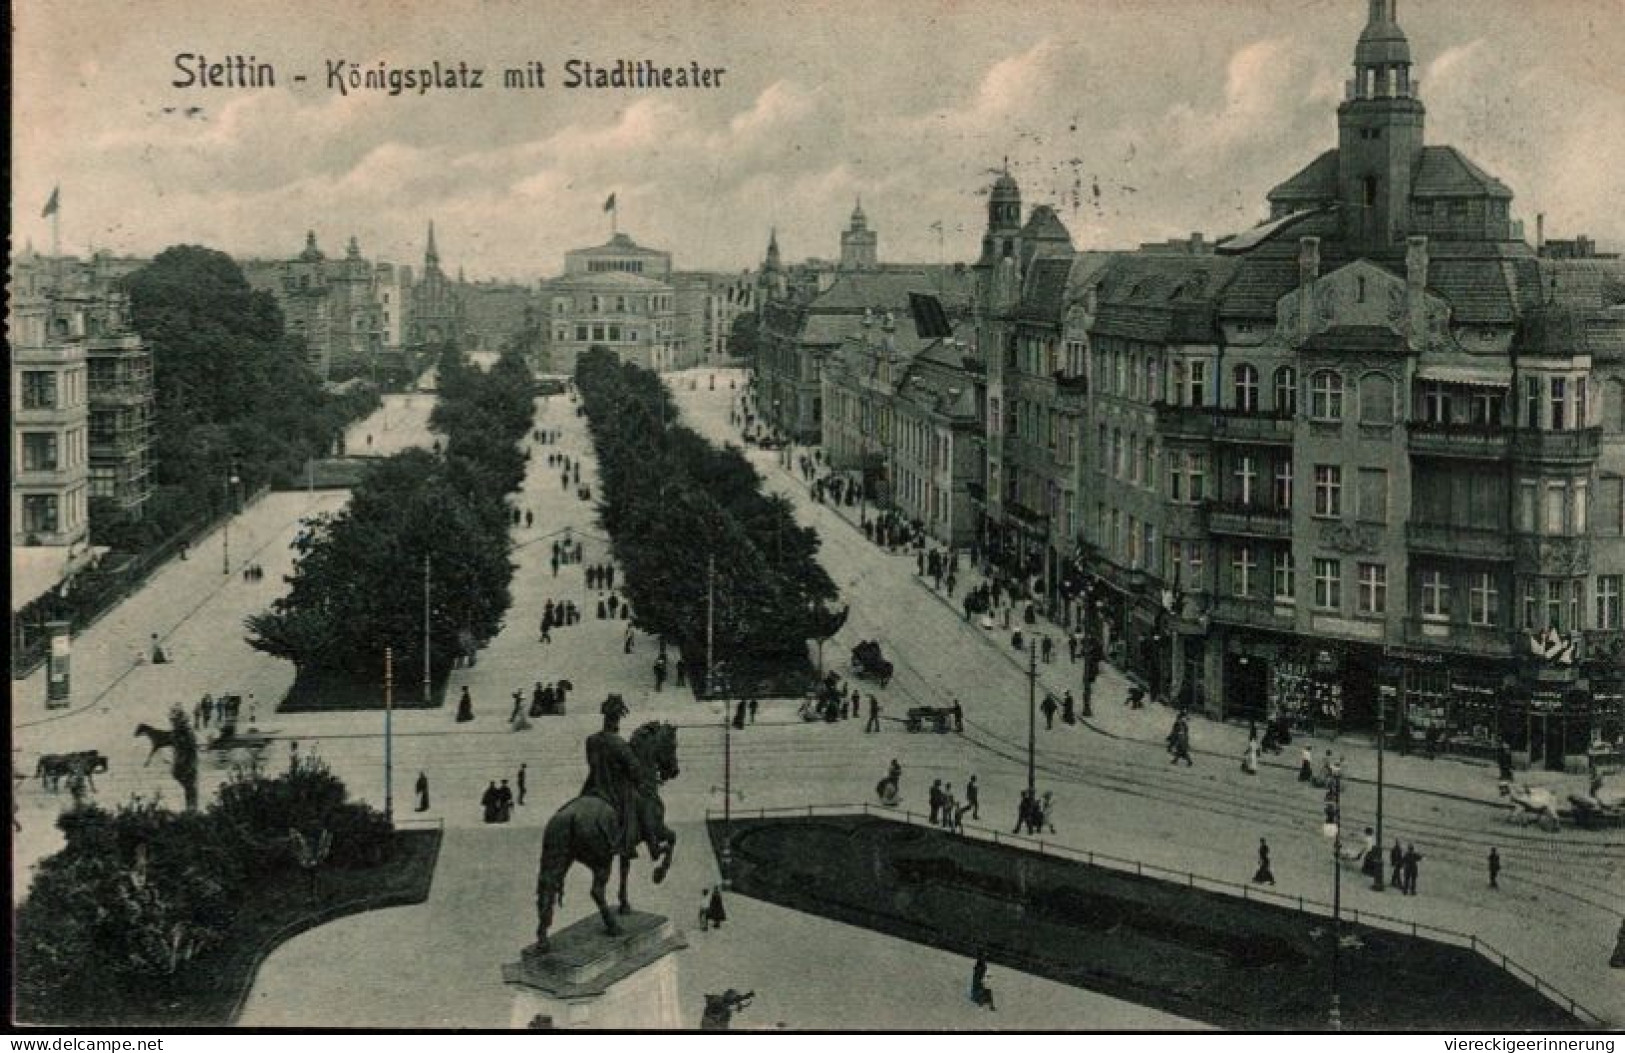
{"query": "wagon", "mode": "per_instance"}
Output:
(232, 748)
(939, 719)
(869, 664)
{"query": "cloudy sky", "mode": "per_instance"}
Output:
(1139, 120)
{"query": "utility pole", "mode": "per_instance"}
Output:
(426, 637)
(1377, 884)
(389, 735)
(1032, 717)
(727, 722)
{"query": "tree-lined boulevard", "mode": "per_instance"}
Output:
(1113, 788)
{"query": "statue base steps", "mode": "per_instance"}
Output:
(590, 979)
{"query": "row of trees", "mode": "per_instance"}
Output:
(233, 391)
(676, 506)
(134, 910)
(359, 575)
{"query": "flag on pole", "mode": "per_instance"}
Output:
(609, 206)
(52, 205)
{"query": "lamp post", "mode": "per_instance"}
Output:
(389, 735)
(1377, 883)
(1333, 829)
(1032, 716)
(426, 686)
(231, 509)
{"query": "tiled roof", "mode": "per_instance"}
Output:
(1442, 171)
(1356, 338)
(1445, 172)
(1316, 181)
(1157, 297)
(1044, 296)
(1044, 223)
(855, 291)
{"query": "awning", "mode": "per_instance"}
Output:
(1478, 375)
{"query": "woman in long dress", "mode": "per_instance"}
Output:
(1249, 759)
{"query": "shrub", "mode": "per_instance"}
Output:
(362, 837)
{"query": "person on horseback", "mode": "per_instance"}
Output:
(613, 774)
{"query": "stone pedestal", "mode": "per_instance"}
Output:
(590, 979)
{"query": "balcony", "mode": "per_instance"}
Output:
(1563, 557)
(120, 392)
(1248, 520)
(1481, 640)
(1459, 542)
(1579, 446)
(1488, 442)
(1256, 613)
(1270, 428)
(1192, 423)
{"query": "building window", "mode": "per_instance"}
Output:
(1531, 402)
(39, 451)
(1286, 577)
(1610, 506)
(1120, 373)
(598, 332)
(1328, 585)
(1246, 478)
(583, 334)
(1373, 593)
(1560, 396)
(40, 514)
(1579, 525)
(1373, 495)
(1283, 484)
(1243, 565)
(1117, 453)
(1328, 491)
(1150, 465)
(1376, 399)
(1246, 388)
(1153, 379)
(1286, 391)
(1103, 454)
(1555, 595)
(1326, 396)
(1196, 384)
(1148, 546)
(1608, 601)
(39, 389)
(1483, 600)
(1435, 596)
(1554, 508)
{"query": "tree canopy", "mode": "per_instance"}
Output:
(679, 510)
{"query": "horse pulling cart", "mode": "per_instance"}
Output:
(238, 749)
(869, 664)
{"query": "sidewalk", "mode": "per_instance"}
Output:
(1447, 776)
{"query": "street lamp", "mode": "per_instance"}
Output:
(1032, 716)
(1333, 829)
(1377, 883)
(231, 508)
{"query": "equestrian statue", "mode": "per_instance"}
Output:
(619, 808)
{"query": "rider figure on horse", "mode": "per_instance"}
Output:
(614, 775)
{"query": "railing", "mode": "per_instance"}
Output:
(1462, 542)
(1582, 444)
(1239, 426)
(1184, 422)
(1490, 441)
(1248, 520)
(1190, 879)
(1454, 636)
(1259, 613)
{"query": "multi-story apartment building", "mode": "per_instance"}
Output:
(50, 420)
(1365, 462)
(123, 406)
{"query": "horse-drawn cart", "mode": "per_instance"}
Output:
(238, 749)
(939, 719)
(869, 664)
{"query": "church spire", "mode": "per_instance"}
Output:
(431, 258)
(1382, 58)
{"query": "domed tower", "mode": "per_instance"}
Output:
(1003, 219)
(859, 244)
(1379, 135)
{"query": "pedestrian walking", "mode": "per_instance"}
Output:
(936, 801)
(1182, 742)
(626, 644)
(1306, 765)
(1495, 868)
(1049, 707)
(1396, 863)
(1249, 758)
(1024, 810)
(874, 715)
(714, 911)
(1412, 859)
(973, 798)
(980, 993)
(423, 791)
(1264, 875)
(949, 806)
(751, 704)
(519, 783)
(1046, 812)
(490, 803)
(959, 716)
(465, 707)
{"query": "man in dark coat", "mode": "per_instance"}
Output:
(936, 800)
(1412, 859)
(613, 773)
(519, 782)
(423, 791)
(1396, 863)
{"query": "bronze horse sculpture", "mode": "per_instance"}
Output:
(618, 810)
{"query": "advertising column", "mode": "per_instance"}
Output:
(58, 681)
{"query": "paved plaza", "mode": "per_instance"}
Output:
(437, 964)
